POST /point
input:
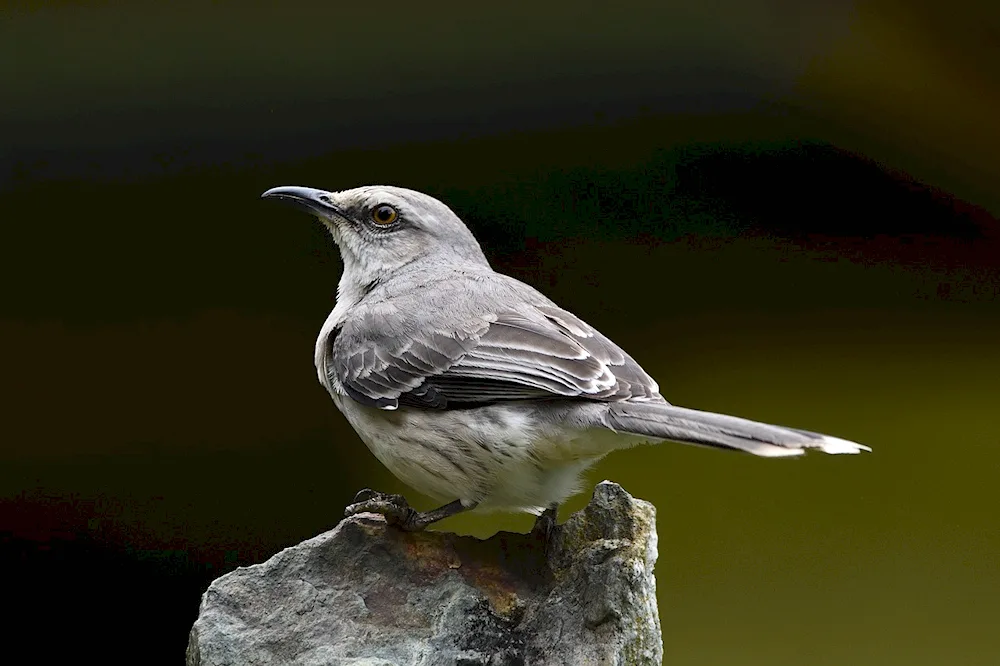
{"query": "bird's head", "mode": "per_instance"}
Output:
(381, 229)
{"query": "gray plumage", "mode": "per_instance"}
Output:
(470, 385)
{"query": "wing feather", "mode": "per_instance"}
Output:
(534, 352)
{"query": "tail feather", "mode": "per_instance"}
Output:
(679, 424)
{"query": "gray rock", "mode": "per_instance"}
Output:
(366, 594)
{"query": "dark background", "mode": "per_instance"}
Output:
(784, 210)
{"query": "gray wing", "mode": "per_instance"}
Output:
(534, 352)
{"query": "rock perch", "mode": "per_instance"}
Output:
(365, 594)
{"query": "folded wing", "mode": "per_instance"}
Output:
(530, 353)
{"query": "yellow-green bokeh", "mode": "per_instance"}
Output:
(159, 324)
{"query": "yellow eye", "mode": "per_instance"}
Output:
(384, 214)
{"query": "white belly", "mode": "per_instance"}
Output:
(500, 456)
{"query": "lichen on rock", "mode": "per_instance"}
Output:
(368, 594)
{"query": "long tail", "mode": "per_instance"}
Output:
(664, 421)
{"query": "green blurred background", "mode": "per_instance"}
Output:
(783, 210)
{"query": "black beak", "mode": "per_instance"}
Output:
(310, 199)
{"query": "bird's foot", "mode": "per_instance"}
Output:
(396, 510)
(545, 525)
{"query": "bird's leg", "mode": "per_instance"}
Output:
(545, 524)
(425, 518)
(398, 512)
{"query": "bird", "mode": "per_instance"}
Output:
(472, 387)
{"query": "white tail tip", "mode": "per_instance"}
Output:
(836, 445)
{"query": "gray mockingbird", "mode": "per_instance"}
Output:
(473, 387)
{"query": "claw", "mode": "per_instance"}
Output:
(394, 508)
(365, 494)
